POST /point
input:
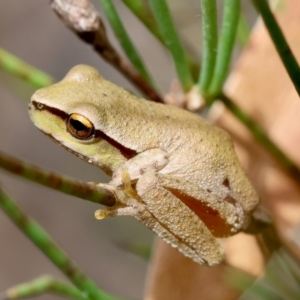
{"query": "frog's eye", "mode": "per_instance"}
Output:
(80, 127)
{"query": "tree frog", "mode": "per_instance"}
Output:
(170, 169)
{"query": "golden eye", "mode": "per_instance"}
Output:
(80, 127)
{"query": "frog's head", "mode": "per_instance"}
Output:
(73, 112)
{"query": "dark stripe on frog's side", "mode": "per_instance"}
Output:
(126, 152)
(54, 111)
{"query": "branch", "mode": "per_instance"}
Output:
(83, 19)
(55, 181)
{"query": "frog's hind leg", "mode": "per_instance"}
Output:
(224, 216)
(173, 221)
(136, 208)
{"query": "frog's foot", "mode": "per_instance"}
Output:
(114, 211)
(128, 202)
(125, 207)
(127, 186)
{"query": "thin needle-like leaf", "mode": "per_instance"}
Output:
(261, 136)
(280, 280)
(226, 42)
(45, 243)
(142, 11)
(138, 7)
(24, 71)
(172, 42)
(125, 41)
(42, 285)
(243, 31)
(210, 43)
(287, 57)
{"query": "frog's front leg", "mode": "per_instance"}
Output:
(127, 199)
(152, 160)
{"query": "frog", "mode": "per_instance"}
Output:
(170, 169)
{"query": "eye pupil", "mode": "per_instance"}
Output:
(80, 127)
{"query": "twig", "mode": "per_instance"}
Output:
(55, 181)
(83, 19)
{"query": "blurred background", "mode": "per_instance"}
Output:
(30, 30)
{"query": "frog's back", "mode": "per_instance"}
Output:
(203, 154)
(156, 125)
(198, 152)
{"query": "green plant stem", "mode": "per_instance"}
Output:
(44, 242)
(243, 30)
(142, 11)
(55, 181)
(287, 57)
(225, 47)
(20, 69)
(125, 40)
(210, 43)
(172, 42)
(42, 285)
(280, 279)
(260, 135)
(138, 7)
